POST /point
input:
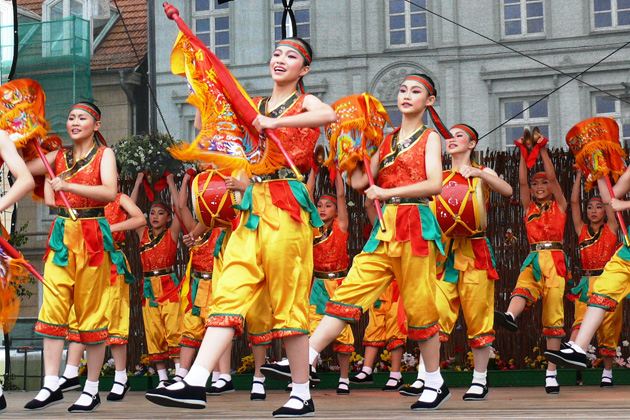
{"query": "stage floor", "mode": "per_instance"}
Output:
(574, 402)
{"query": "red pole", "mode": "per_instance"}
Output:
(42, 155)
(13, 253)
(377, 204)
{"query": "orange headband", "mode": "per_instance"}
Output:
(84, 107)
(329, 198)
(539, 175)
(299, 48)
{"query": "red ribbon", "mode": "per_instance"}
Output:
(530, 157)
(147, 188)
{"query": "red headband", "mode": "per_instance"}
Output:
(329, 198)
(88, 109)
(467, 130)
(165, 207)
(299, 48)
(423, 81)
(596, 198)
(539, 175)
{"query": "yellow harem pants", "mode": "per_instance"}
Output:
(162, 323)
(373, 272)
(383, 329)
(550, 287)
(474, 294)
(609, 331)
(344, 343)
(278, 255)
(194, 326)
(79, 285)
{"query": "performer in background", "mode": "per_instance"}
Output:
(383, 331)
(122, 215)
(408, 167)
(544, 271)
(468, 273)
(78, 258)
(597, 242)
(330, 267)
(274, 230)
(22, 185)
(158, 246)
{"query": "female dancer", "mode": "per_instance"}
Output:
(467, 276)
(78, 256)
(330, 258)
(544, 271)
(274, 229)
(158, 245)
(610, 288)
(598, 243)
(23, 184)
(122, 215)
(408, 167)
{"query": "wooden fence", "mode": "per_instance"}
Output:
(505, 213)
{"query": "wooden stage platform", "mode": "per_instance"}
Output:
(574, 402)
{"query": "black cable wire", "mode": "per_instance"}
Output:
(555, 90)
(515, 51)
(153, 97)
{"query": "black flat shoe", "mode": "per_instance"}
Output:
(227, 386)
(367, 379)
(608, 383)
(553, 389)
(173, 380)
(476, 397)
(258, 396)
(276, 371)
(412, 391)
(343, 389)
(69, 384)
(567, 357)
(187, 397)
(505, 320)
(112, 396)
(55, 397)
(3, 404)
(443, 394)
(96, 401)
(393, 388)
(307, 410)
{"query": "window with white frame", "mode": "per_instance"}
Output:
(406, 23)
(6, 38)
(302, 11)
(607, 106)
(58, 35)
(523, 17)
(611, 13)
(212, 26)
(536, 116)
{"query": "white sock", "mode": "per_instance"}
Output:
(395, 375)
(312, 355)
(258, 388)
(1, 390)
(215, 376)
(344, 380)
(478, 378)
(283, 362)
(551, 378)
(197, 376)
(51, 382)
(606, 374)
(570, 343)
(176, 366)
(121, 377)
(70, 372)
(574, 347)
(512, 315)
(366, 371)
(433, 380)
(299, 390)
(422, 371)
(226, 378)
(162, 375)
(181, 372)
(92, 389)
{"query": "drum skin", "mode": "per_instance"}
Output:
(460, 208)
(212, 199)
